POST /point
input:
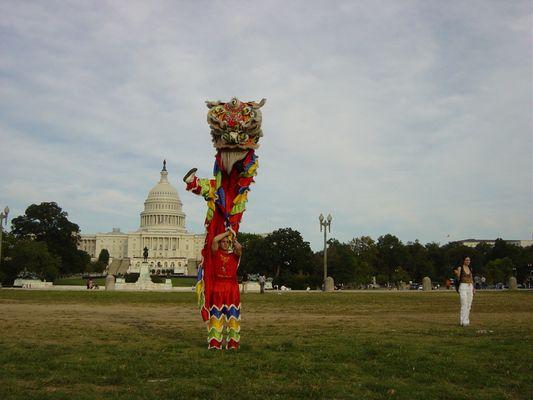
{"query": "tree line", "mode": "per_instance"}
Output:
(44, 242)
(286, 257)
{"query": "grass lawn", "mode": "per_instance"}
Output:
(79, 281)
(407, 345)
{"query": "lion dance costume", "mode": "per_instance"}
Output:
(235, 130)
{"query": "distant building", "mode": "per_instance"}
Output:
(171, 249)
(490, 242)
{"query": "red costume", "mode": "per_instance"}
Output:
(235, 129)
(226, 197)
(225, 301)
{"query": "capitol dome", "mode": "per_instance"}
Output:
(162, 208)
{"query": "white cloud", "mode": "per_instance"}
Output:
(409, 118)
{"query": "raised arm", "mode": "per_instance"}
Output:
(237, 247)
(217, 239)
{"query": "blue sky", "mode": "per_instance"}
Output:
(412, 118)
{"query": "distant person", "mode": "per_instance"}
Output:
(262, 281)
(245, 279)
(226, 300)
(477, 282)
(465, 287)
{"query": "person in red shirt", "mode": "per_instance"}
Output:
(225, 303)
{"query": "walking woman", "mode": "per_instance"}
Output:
(466, 290)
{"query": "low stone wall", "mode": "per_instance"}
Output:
(145, 286)
(32, 284)
(249, 287)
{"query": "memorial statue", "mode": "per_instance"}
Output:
(145, 254)
(235, 131)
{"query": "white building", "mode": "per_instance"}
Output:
(171, 249)
(490, 242)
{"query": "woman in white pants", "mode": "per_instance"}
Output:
(466, 290)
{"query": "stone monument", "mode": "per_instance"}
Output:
(329, 284)
(426, 283)
(512, 283)
(110, 282)
(144, 275)
(144, 282)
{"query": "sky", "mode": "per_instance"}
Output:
(412, 118)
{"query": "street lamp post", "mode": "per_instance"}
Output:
(326, 224)
(3, 216)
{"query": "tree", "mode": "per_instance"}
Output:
(365, 249)
(499, 270)
(48, 223)
(400, 275)
(366, 255)
(289, 253)
(95, 266)
(100, 264)
(435, 254)
(484, 254)
(418, 263)
(391, 255)
(283, 254)
(363, 272)
(524, 263)
(255, 254)
(103, 257)
(8, 272)
(32, 256)
(342, 263)
(502, 249)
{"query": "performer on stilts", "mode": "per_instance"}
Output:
(235, 129)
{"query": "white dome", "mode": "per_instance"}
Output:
(162, 208)
(163, 190)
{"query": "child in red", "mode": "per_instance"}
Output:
(225, 302)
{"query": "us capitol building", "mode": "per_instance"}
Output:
(171, 249)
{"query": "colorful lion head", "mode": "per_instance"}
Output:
(236, 124)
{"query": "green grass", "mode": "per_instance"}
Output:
(113, 345)
(79, 281)
(183, 282)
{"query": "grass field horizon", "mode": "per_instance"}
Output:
(380, 345)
